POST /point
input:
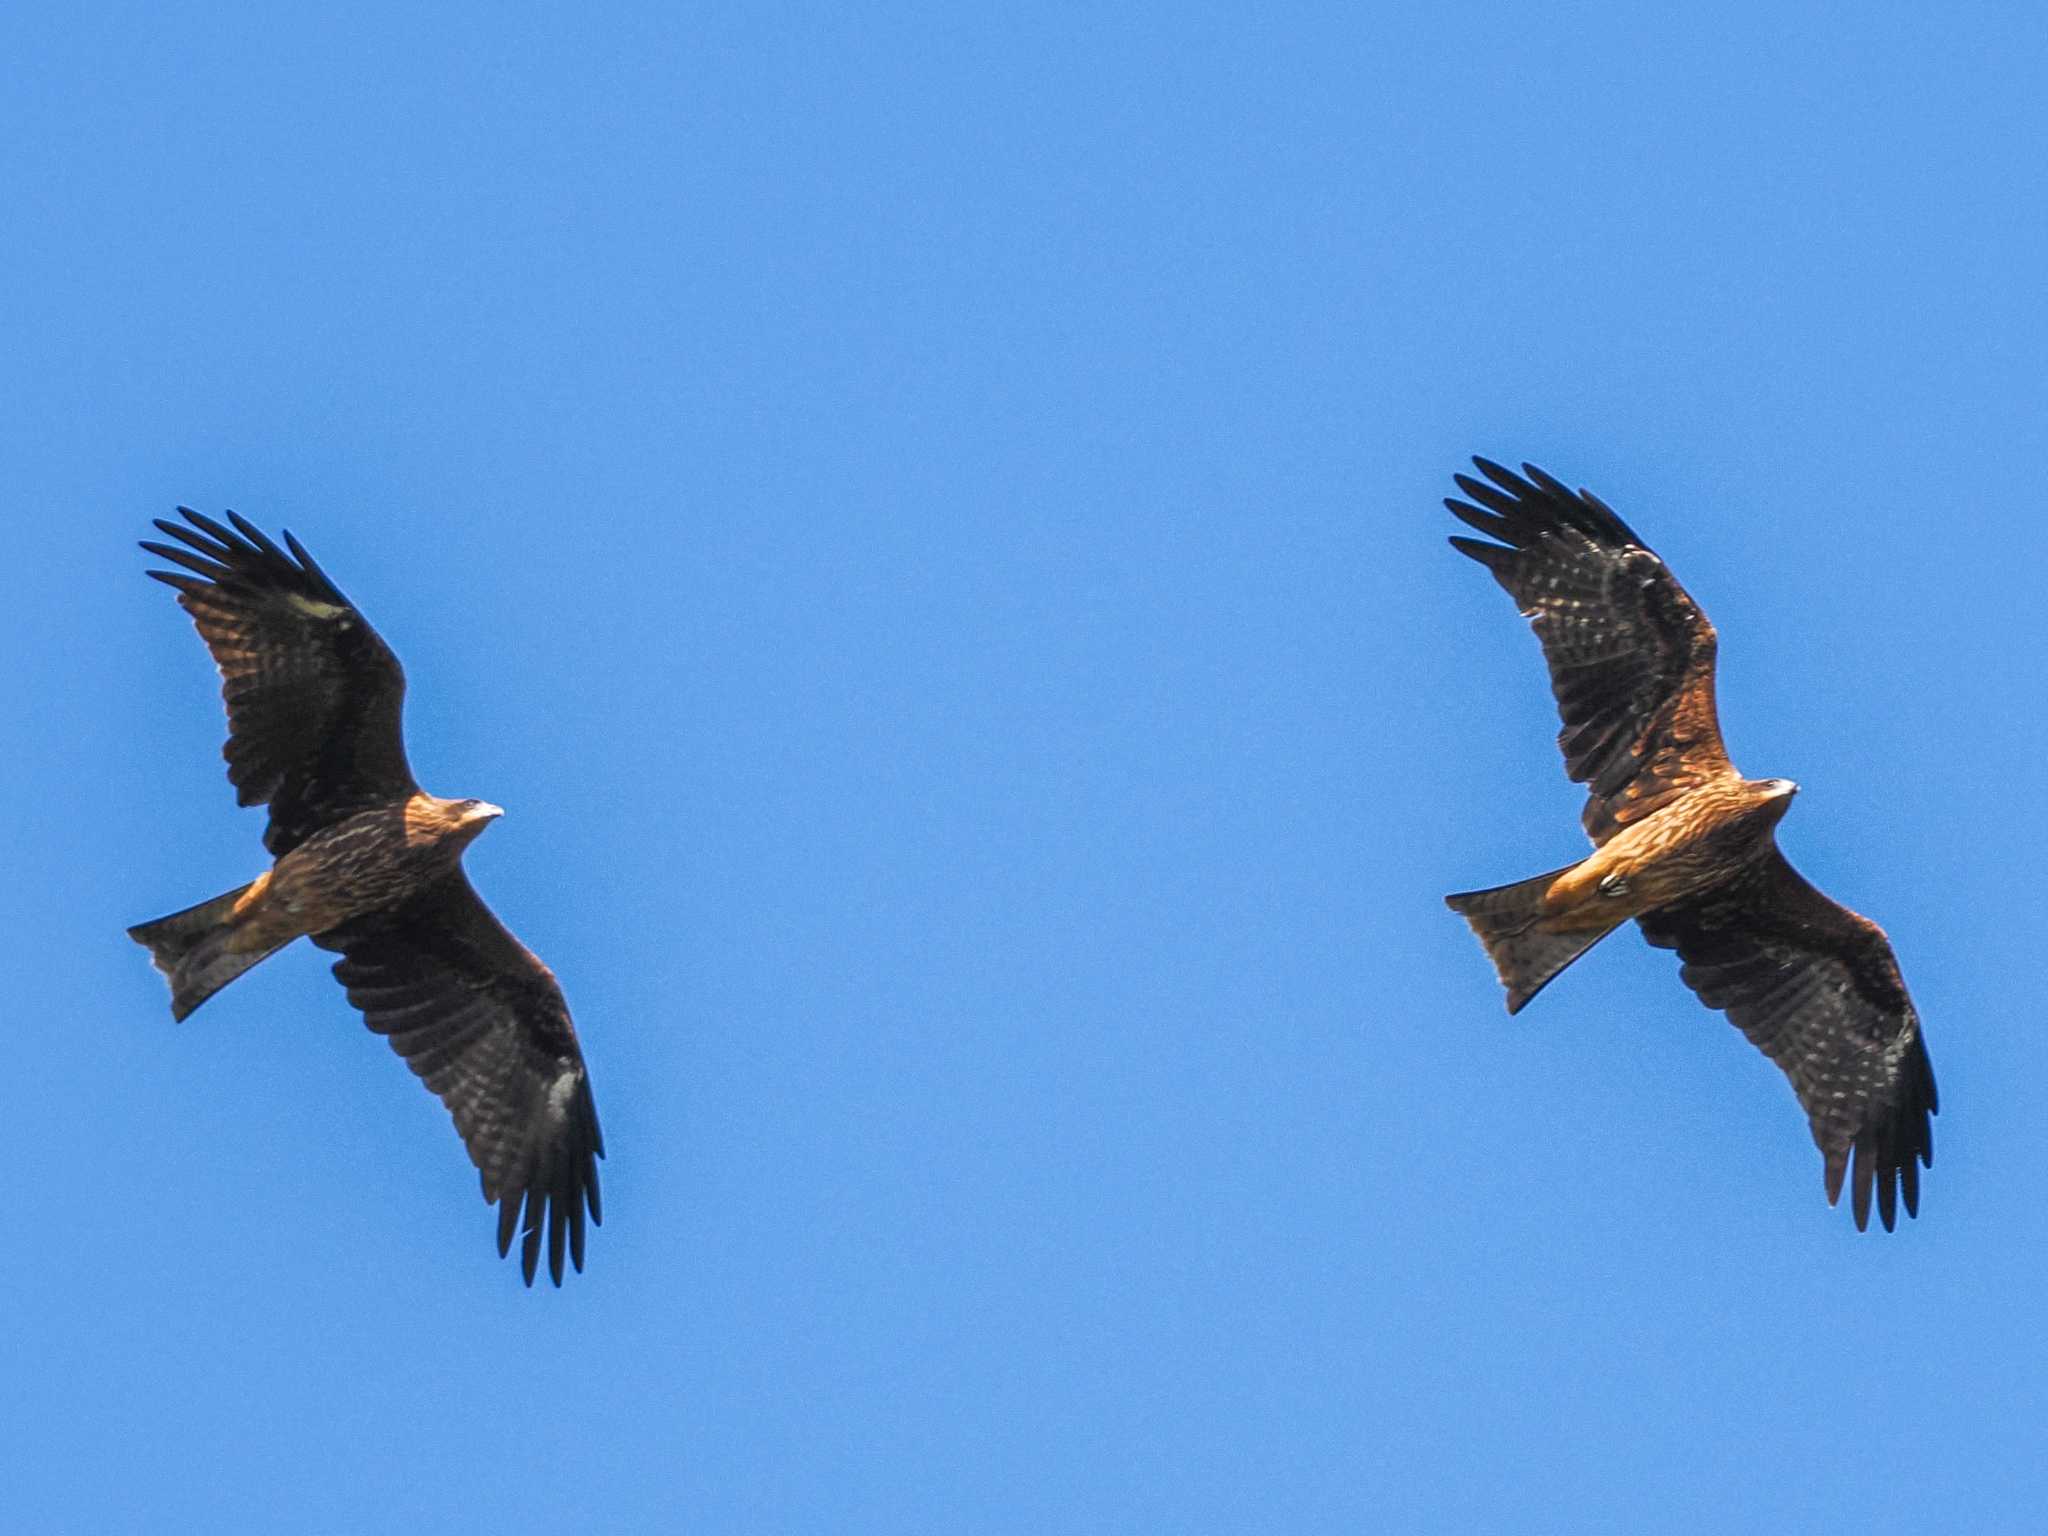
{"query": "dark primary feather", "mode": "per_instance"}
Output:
(313, 695)
(1631, 656)
(1817, 988)
(483, 1023)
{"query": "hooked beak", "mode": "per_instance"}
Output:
(485, 811)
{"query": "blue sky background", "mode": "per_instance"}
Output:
(929, 522)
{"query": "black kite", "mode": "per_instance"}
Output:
(370, 866)
(1685, 844)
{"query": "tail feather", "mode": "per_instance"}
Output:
(1525, 957)
(191, 949)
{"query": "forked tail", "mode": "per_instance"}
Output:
(1525, 956)
(191, 949)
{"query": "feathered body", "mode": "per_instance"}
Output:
(369, 862)
(1691, 845)
(1685, 845)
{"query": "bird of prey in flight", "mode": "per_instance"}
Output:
(367, 864)
(1685, 845)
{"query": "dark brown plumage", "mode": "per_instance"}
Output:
(1685, 845)
(368, 865)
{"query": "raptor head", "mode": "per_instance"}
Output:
(1773, 798)
(464, 819)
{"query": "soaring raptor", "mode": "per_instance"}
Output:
(369, 865)
(1685, 845)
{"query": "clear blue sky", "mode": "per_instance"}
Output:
(930, 526)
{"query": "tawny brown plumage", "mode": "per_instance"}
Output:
(1685, 845)
(369, 865)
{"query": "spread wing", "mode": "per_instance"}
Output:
(1817, 989)
(1631, 656)
(313, 694)
(483, 1023)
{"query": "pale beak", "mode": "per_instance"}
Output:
(485, 811)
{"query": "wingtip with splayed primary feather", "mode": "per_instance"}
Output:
(555, 1206)
(1522, 509)
(237, 555)
(1882, 1164)
(557, 1190)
